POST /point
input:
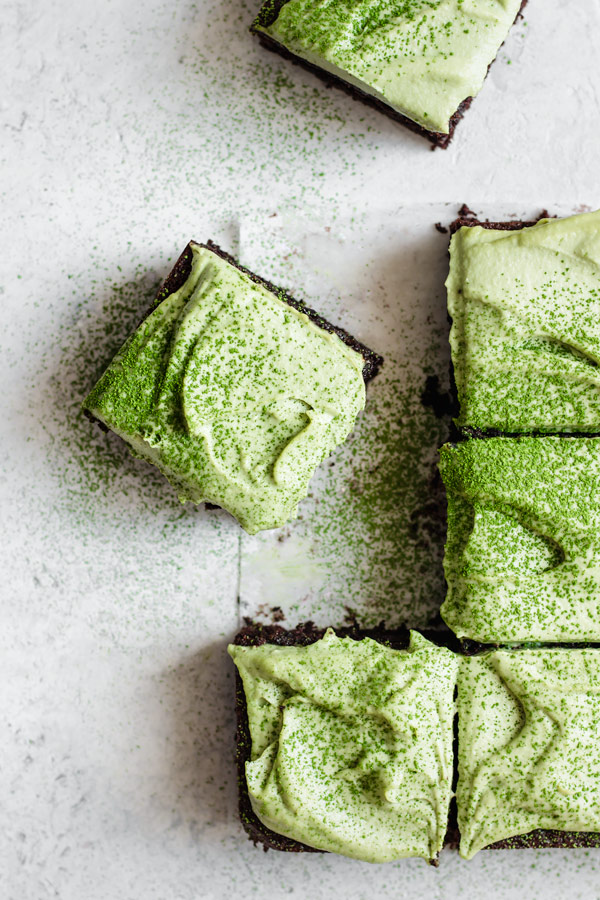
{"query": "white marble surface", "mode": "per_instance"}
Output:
(127, 129)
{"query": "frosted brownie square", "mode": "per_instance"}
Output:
(233, 389)
(419, 61)
(525, 337)
(528, 750)
(345, 745)
(522, 557)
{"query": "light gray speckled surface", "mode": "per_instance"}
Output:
(129, 128)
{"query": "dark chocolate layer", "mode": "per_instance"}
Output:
(466, 217)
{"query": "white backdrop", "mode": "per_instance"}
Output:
(129, 129)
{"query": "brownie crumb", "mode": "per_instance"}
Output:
(466, 213)
(433, 397)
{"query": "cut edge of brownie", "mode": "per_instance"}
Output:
(267, 15)
(468, 219)
(254, 634)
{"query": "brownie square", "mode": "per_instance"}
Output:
(418, 65)
(528, 753)
(332, 745)
(522, 557)
(524, 299)
(233, 389)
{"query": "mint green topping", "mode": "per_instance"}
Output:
(525, 336)
(421, 57)
(352, 744)
(523, 548)
(232, 393)
(528, 725)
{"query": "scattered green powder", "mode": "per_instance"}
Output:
(375, 519)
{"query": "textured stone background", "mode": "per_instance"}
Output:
(129, 128)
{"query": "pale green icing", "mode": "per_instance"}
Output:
(421, 57)
(525, 338)
(522, 557)
(352, 744)
(529, 757)
(232, 393)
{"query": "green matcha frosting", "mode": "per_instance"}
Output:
(525, 338)
(352, 744)
(235, 395)
(522, 555)
(421, 57)
(529, 755)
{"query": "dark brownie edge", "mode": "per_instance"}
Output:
(437, 139)
(267, 15)
(373, 361)
(468, 219)
(254, 634)
(182, 268)
(548, 839)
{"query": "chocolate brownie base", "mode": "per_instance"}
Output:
(267, 16)
(436, 139)
(540, 839)
(467, 218)
(253, 635)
